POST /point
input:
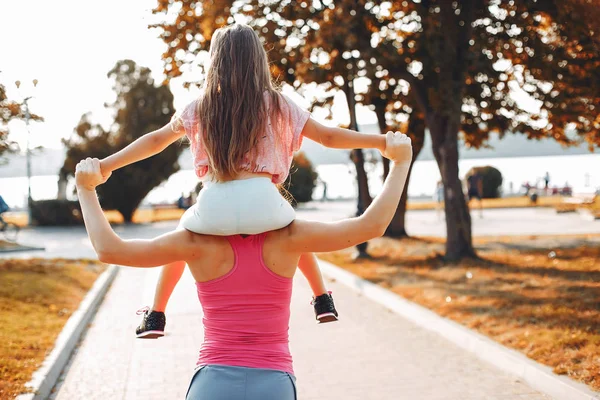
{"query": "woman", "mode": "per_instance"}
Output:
(244, 283)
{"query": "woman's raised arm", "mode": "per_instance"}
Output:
(109, 247)
(309, 236)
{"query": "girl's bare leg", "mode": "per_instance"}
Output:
(169, 276)
(322, 301)
(309, 266)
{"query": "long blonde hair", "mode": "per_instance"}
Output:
(233, 109)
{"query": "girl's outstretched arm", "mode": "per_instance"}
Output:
(340, 138)
(146, 146)
(109, 247)
(310, 236)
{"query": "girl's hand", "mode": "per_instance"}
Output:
(398, 147)
(88, 175)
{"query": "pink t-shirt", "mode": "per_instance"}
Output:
(274, 151)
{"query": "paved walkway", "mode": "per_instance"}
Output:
(507, 221)
(369, 354)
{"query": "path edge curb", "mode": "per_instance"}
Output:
(538, 376)
(23, 248)
(46, 376)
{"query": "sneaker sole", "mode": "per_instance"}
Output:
(150, 335)
(327, 317)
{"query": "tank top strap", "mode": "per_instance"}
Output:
(235, 241)
(259, 241)
(251, 244)
(248, 255)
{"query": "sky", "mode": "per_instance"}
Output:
(69, 46)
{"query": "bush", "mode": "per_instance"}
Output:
(491, 180)
(56, 212)
(301, 181)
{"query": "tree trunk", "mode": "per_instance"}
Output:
(61, 193)
(444, 137)
(416, 131)
(127, 214)
(357, 157)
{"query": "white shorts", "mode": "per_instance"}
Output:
(240, 207)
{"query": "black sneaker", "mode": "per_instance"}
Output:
(324, 308)
(153, 324)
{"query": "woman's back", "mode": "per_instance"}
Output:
(246, 307)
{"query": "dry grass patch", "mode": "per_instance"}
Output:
(37, 297)
(16, 217)
(147, 215)
(544, 303)
(144, 215)
(504, 202)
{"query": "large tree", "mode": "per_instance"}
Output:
(140, 107)
(463, 61)
(395, 110)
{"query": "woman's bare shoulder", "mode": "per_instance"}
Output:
(284, 237)
(195, 243)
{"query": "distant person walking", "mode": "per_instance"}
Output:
(324, 184)
(546, 180)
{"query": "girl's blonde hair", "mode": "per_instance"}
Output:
(233, 109)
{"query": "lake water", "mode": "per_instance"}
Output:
(581, 172)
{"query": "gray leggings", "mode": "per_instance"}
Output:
(223, 382)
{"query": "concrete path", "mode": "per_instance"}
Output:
(73, 242)
(508, 221)
(369, 354)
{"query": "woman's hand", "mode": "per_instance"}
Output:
(88, 174)
(398, 147)
(105, 170)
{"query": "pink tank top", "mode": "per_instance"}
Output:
(246, 312)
